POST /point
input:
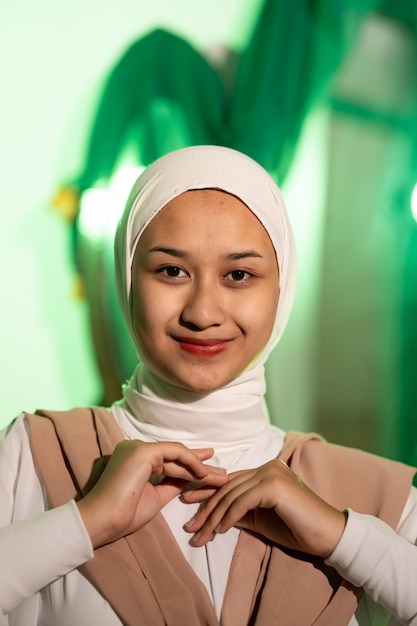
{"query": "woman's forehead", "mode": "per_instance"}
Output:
(207, 214)
(200, 204)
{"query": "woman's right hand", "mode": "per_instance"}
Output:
(123, 500)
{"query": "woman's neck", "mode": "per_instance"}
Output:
(229, 419)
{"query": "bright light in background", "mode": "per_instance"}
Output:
(120, 185)
(414, 203)
(101, 207)
(93, 212)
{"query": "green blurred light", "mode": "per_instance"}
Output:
(414, 203)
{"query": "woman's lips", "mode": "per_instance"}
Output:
(200, 347)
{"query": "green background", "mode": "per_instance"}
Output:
(325, 96)
(54, 60)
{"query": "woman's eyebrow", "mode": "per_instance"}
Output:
(171, 251)
(236, 256)
(182, 254)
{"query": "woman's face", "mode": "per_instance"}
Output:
(205, 289)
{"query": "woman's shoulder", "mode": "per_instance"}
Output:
(14, 437)
(314, 449)
(351, 478)
(72, 422)
(20, 489)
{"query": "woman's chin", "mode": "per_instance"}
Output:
(202, 384)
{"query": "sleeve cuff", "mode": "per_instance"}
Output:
(361, 547)
(373, 556)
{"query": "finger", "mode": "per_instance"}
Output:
(197, 495)
(214, 477)
(206, 453)
(229, 512)
(193, 460)
(219, 471)
(211, 515)
(161, 454)
(203, 453)
(215, 470)
(214, 502)
(169, 489)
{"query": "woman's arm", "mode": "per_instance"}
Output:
(36, 547)
(36, 551)
(272, 501)
(373, 556)
(39, 546)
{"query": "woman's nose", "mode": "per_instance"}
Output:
(203, 307)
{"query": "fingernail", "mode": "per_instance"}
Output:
(196, 537)
(190, 521)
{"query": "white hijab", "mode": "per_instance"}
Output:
(231, 418)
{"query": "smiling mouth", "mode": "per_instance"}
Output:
(205, 348)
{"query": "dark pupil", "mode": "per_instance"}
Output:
(173, 271)
(238, 275)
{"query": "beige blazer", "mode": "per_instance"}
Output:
(147, 580)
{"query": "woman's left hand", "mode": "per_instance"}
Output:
(271, 501)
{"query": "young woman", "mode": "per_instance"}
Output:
(181, 504)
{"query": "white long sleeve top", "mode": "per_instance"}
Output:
(41, 550)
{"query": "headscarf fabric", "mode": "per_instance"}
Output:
(208, 167)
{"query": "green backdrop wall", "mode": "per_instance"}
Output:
(54, 58)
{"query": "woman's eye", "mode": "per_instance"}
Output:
(239, 275)
(173, 272)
